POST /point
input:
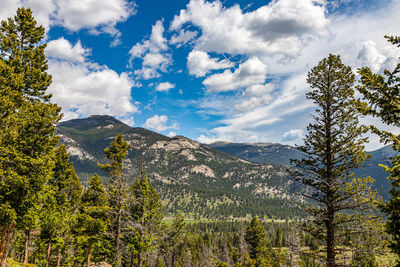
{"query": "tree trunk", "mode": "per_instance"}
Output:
(140, 261)
(3, 240)
(27, 242)
(330, 240)
(117, 238)
(10, 237)
(59, 257)
(49, 251)
(89, 255)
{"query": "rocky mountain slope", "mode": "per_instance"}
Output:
(189, 176)
(272, 153)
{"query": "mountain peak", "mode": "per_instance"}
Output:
(93, 121)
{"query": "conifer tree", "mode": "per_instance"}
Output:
(27, 121)
(93, 219)
(61, 201)
(173, 241)
(333, 148)
(381, 95)
(256, 239)
(118, 189)
(145, 212)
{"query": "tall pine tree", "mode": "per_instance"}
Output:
(145, 215)
(256, 238)
(27, 121)
(61, 202)
(92, 220)
(333, 148)
(118, 189)
(381, 95)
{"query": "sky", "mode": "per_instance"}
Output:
(209, 70)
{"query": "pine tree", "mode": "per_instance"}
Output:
(27, 121)
(256, 239)
(382, 99)
(92, 220)
(61, 202)
(118, 189)
(333, 147)
(173, 241)
(145, 214)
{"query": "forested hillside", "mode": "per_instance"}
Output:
(189, 176)
(282, 154)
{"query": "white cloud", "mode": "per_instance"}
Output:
(146, 73)
(281, 27)
(251, 72)
(257, 112)
(183, 37)
(153, 53)
(62, 49)
(98, 16)
(159, 123)
(164, 87)
(376, 57)
(199, 63)
(171, 134)
(95, 15)
(259, 89)
(294, 134)
(83, 88)
(250, 103)
(42, 9)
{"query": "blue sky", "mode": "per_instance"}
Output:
(209, 70)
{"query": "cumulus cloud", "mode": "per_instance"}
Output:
(281, 27)
(79, 14)
(183, 37)
(376, 57)
(199, 63)
(159, 123)
(292, 135)
(98, 16)
(153, 53)
(165, 86)
(263, 111)
(251, 72)
(83, 88)
(63, 49)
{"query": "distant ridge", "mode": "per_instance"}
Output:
(274, 153)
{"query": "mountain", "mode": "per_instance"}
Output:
(272, 153)
(190, 177)
(372, 168)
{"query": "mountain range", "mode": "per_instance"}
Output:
(221, 180)
(274, 153)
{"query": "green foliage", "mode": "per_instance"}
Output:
(27, 123)
(60, 202)
(199, 196)
(145, 211)
(333, 148)
(118, 190)
(257, 241)
(92, 220)
(381, 95)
